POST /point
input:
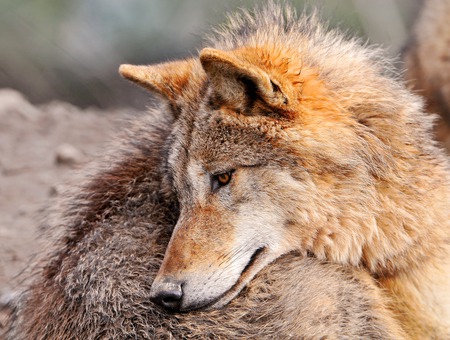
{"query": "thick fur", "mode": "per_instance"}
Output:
(427, 59)
(330, 155)
(95, 280)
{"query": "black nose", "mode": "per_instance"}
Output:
(168, 295)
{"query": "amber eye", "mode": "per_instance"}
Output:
(220, 180)
(224, 178)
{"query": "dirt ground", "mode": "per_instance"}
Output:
(40, 147)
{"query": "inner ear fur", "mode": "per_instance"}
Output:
(170, 79)
(234, 79)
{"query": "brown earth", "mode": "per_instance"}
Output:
(40, 147)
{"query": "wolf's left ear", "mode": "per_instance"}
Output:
(238, 80)
(174, 81)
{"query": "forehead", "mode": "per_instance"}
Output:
(226, 139)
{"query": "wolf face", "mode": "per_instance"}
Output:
(288, 138)
(240, 167)
(232, 221)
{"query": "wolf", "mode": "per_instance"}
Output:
(287, 137)
(281, 136)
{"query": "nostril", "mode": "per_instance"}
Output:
(168, 297)
(171, 297)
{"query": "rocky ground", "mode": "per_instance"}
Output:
(40, 147)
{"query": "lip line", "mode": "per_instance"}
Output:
(257, 255)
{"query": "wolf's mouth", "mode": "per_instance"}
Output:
(256, 262)
(250, 270)
(252, 260)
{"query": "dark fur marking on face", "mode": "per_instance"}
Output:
(289, 224)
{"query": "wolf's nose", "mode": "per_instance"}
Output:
(168, 295)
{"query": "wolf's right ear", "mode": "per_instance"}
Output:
(236, 77)
(174, 81)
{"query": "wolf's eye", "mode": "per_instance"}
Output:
(220, 180)
(224, 178)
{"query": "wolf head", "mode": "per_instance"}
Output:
(282, 136)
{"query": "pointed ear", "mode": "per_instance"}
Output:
(236, 79)
(169, 80)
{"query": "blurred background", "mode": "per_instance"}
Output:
(71, 50)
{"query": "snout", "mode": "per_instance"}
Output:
(205, 266)
(206, 289)
(168, 294)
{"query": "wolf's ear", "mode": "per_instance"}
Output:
(238, 80)
(170, 80)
